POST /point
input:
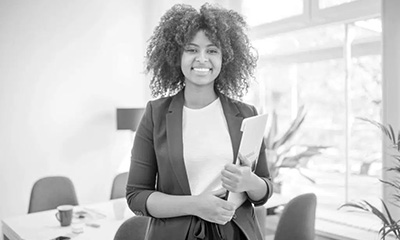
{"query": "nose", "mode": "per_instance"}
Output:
(202, 57)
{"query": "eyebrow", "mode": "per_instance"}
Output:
(209, 45)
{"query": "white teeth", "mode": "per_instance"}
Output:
(201, 69)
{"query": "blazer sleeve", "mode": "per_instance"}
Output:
(263, 172)
(143, 168)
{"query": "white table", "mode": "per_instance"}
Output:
(44, 225)
(277, 200)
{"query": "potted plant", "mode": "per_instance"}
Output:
(389, 225)
(280, 153)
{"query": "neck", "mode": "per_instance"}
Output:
(199, 98)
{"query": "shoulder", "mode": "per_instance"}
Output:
(156, 110)
(160, 103)
(163, 105)
(245, 109)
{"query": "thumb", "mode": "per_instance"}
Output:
(219, 192)
(244, 161)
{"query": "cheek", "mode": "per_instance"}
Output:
(181, 61)
(182, 64)
(185, 65)
(185, 61)
(219, 61)
(218, 64)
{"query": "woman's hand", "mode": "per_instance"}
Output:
(238, 178)
(210, 207)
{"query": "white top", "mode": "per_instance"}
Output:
(207, 146)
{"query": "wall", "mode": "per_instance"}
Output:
(65, 66)
(391, 96)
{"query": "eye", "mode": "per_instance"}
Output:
(213, 51)
(190, 50)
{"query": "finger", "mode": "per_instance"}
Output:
(231, 168)
(227, 187)
(229, 206)
(230, 187)
(244, 161)
(227, 214)
(225, 218)
(219, 192)
(229, 175)
(223, 221)
(230, 179)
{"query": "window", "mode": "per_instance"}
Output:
(258, 12)
(310, 66)
(331, 3)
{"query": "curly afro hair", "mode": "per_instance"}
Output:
(225, 28)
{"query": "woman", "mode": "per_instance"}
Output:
(182, 158)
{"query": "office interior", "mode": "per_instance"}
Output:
(66, 66)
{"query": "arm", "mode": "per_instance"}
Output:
(143, 168)
(263, 173)
(257, 188)
(208, 206)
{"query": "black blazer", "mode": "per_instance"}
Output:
(157, 165)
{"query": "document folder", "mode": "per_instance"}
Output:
(253, 131)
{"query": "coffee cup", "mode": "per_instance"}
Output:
(64, 214)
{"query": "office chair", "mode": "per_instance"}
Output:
(134, 228)
(50, 192)
(297, 220)
(118, 189)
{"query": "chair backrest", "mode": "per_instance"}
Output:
(134, 228)
(118, 189)
(50, 192)
(297, 220)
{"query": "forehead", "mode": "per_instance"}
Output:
(200, 38)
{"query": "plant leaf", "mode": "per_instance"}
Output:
(355, 205)
(304, 175)
(377, 213)
(398, 141)
(397, 157)
(393, 137)
(295, 161)
(383, 128)
(395, 169)
(388, 213)
(385, 230)
(395, 185)
(397, 198)
(294, 126)
(393, 224)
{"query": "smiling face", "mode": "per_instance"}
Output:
(201, 61)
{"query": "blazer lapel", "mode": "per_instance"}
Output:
(175, 143)
(234, 120)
